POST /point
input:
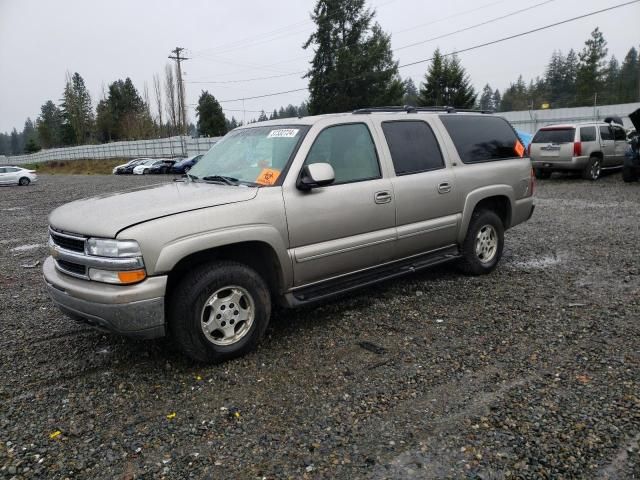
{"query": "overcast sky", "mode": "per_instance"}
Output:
(237, 40)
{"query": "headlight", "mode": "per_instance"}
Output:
(102, 247)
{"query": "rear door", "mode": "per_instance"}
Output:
(348, 225)
(3, 175)
(427, 200)
(608, 145)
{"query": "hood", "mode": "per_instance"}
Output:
(635, 119)
(106, 215)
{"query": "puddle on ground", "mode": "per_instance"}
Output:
(24, 248)
(539, 262)
(12, 209)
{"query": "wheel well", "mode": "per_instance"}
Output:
(596, 154)
(498, 204)
(257, 255)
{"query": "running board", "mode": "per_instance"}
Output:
(331, 288)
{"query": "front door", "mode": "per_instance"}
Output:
(608, 146)
(346, 226)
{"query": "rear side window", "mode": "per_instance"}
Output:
(555, 135)
(588, 134)
(413, 147)
(605, 133)
(482, 138)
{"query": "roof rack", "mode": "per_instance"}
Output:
(412, 109)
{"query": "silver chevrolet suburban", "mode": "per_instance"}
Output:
(292, 211)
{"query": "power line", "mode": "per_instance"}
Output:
(474, 47)
(395, 49)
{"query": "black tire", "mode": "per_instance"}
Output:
(471, 263)
(145, 171)
(187, 306)
(629, 174)
(24, 181)
(543, 174)
(593, 170)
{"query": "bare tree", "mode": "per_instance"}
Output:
(158, 94)
(171, 97)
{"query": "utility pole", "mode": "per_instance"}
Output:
(181, 105)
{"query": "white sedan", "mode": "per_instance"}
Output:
(143, 167)
(17, 176)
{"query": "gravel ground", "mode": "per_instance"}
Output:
(530, 372)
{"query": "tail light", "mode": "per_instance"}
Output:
(577, 149)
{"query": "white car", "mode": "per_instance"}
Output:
(143, 167)
(17, 176)
(118, 169)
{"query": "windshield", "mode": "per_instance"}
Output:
(255, 155)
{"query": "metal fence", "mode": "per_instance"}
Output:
(172, 147)
(530, 120)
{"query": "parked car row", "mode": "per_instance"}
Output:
(144, 166)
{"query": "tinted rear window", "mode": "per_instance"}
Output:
(606, 133)
(481, 138)
(588, 134)
(555, 135)
(413, 147)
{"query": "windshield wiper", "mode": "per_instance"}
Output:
(190, 178)
(221, 179)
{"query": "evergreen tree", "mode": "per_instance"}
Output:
(15, 142)
(612, 91)
(410, 93)
(29, 135)
(303, 109)
(447, 83)
(591, 71)
(123, 114)
(497, 100)
(515, 97)
(568, 96)
(263, 117)
(486, 99)
(554, 79)
(32, 146)
(629, 82)
(432, 91)
(211, 120)
(231, 124)
(274, 115)
(77, 111)
(353, 63)
(49, 125)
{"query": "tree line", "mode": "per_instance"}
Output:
(352, 67)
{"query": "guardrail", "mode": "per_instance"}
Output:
(179, 146)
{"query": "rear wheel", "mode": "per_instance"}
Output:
(219, 311)
(543, 174)
(145, 171)
(629, 174)
(24, 181)
(482, 247)
(593, 170)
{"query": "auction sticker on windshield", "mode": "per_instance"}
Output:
(268, 176)
(283, 133)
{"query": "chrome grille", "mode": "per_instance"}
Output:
(71, 267)
(68, 242)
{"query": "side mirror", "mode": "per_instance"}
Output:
(315, 175)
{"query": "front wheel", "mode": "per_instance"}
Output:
(24, 181)
(219, 311)
(482, 247)
(592, 172)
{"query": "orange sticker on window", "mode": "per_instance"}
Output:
(268, 176)
(519, 148)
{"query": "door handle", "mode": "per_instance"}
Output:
(444, 187)
(382, 197)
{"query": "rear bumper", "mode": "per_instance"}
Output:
(522, 211)
(573, 163)
(134, 310)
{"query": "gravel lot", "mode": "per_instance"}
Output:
(530, 372)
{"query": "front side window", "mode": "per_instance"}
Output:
(619, 134)
(413, 147)
(588, 134)
(349, 149)
(482, 138)
(605, 133)
(255, 156)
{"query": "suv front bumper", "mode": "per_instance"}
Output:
(132, 310)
